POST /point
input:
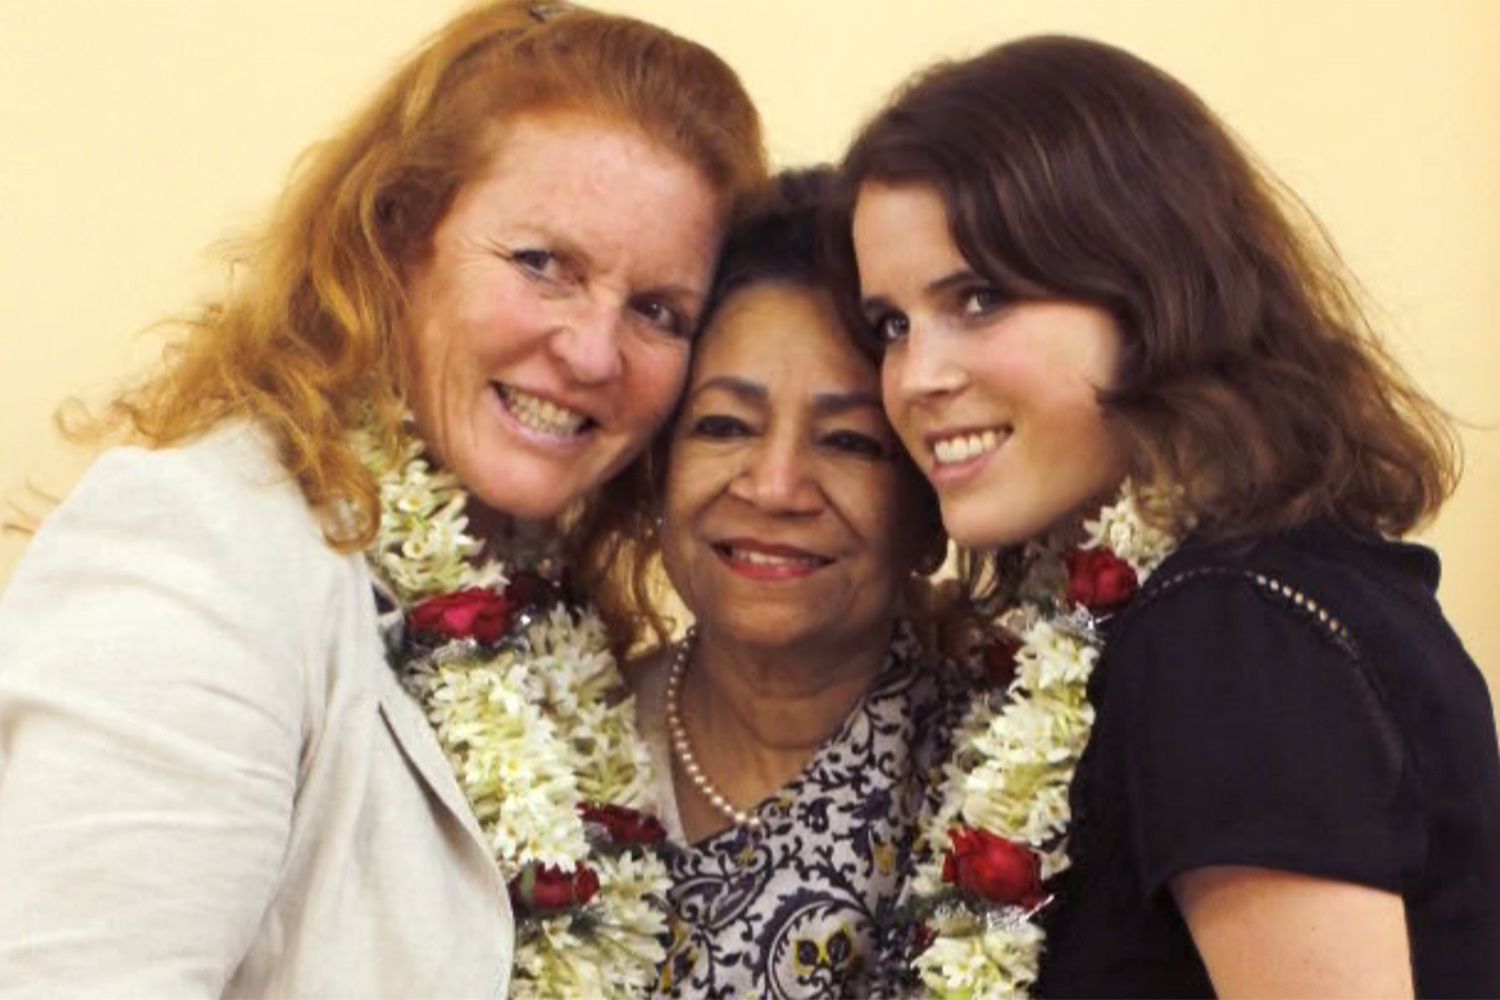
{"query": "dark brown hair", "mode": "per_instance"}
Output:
(1250, 377)
(782, 240)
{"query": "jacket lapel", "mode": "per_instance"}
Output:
(419, 746)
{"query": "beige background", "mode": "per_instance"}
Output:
(135, 133)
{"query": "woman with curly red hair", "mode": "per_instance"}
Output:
(470, 312)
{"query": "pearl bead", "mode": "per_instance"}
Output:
(682, 749)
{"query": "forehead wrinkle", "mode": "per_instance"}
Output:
(562, 209)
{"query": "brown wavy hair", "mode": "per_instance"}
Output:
(1250, 376)
(311, 340)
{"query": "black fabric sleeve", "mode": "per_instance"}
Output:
(1250, 738)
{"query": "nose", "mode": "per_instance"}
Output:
(779, 477)
(587, 342)
(928, 363)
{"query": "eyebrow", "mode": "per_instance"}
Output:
(829, 404)
(741, 388)
(824, 404)
(879, 303)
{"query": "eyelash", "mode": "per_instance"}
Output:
(719, 427)
(536, 263)
(880, 327)
(669, 320)
(859, 444)
(981, 300)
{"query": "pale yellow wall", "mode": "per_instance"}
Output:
(134, 133)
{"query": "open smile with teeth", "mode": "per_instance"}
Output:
(965, 447)
(541, 415)
(755, 557)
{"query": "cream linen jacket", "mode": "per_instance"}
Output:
(210, 781)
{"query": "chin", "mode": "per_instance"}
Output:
(519, 496)
(767, 626)
(978, 526)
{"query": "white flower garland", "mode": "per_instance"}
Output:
(1013, 763)
(534, 726)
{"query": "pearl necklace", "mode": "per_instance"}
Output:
(683, 750)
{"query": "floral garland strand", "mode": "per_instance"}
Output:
(531, 711)
(1000, 829)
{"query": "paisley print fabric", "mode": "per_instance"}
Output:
(800, 909)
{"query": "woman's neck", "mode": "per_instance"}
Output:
(756, 715)
(506, 536)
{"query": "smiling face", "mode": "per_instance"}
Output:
(551, 317)
(788, 521)
(996, 400)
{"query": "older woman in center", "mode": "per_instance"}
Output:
(793, 725)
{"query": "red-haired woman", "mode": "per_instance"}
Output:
(1154, 405)
(212, 779)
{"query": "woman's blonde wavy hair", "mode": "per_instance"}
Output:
(310, 341)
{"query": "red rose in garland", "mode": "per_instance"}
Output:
(999, 658)
(1098, 579)
(625, 826)
(992, 867)
(543, 889)
(464, 614)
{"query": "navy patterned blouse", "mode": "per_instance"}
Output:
(806, 907)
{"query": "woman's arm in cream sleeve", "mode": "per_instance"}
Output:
(152, 697)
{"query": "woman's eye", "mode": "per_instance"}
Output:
(891, 328)
(982, 301)
(662, 316)
(537, 263)
(856, 443)
(716, 425)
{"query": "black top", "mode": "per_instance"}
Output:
(1345, 734)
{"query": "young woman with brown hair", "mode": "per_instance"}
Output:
(1268, 766)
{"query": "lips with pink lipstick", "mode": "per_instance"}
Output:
(760, 560)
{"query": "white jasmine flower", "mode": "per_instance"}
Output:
(994, 963)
